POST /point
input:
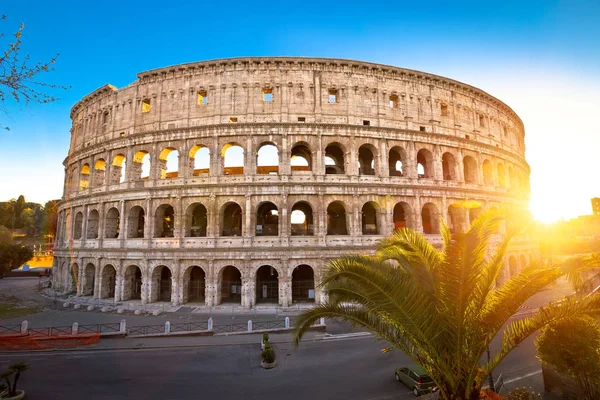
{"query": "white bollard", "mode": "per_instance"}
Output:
(75, 328)
(123, 326)
(25, 326)
(249, 325)
(287, 322)
(210, 324)
(321, 321)
(167, 327)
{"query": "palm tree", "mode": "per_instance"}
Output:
(442, 308)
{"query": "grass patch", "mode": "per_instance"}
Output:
(10, 307)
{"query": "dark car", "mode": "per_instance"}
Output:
(416, 379)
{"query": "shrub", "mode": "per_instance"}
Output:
(14, 372)
(523, 393)
(265, 337)
(268, 355)
(267, 345)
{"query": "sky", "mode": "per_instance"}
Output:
(542, 58)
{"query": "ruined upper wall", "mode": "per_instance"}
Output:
(366, 93)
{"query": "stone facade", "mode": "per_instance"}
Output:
(361, 149)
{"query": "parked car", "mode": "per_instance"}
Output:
(416, 379)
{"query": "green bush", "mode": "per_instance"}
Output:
(267, 345)
(265, 337)
(522, 393)
(268, 355)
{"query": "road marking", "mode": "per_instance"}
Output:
(346, 335)
(522, 377)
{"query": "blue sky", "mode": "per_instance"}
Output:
(540, 57)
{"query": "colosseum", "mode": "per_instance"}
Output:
(235, 181)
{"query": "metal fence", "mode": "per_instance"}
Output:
(10, 329)
(146, 330)
(189, 326)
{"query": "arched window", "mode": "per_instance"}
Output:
(199, 160)
(501, 175)
(197, 220)
(92, 225)
(77, 229)
(141, 165)
(107, 288)
(301, 159)
(488, 175)
(194, 284)
(429, 218)
(162, 284)
(366, 160)
(455, 218)
(336, 219)
(474, 213)
(233, 159)
(303, 284)
(397, 161)
(89, 280)
(470, 168)
(111, 224)
(231, 285)
(267, 160)
(117, 171)
(168, 163)
(267, 285)
(136, 222)
(84, 177)
(424, 164)
(401, 214)
(369, 219)
(232, 220)
(448, 167)
(99, 172)
(165, 221)
(267, 220)
(301, 219)
(334, 160)
(132, 283)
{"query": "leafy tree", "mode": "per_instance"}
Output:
(5, 235)
(442, 307)
(19, 80)
(13, 256)
(26, 220)
(572, 346)
(51, 218)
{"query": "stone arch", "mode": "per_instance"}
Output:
(108, 280)
(488, 174)
(470, 169)
(231, 219)
(164, 218)
(303, 284)
(78, 227)
(301, 219)
(196, 220)
(132, 283)
(369, 217)
(140, 170)
(267, 285)
(89, 280)
(430, 219)
(501, 175)
(456, 216)
(168, 163)
(267, 159)
(513, 179)
(230, 279)
(367, 164)
(424, 164)
(84, 177)
(336, 219)
(99, 172)
(92, 224)
(232, 159)
(334, 159)
(513, 266)
(397, 161)
(449, 167)
(301, 157)
(401, 215)
(194, 285)
(118, 169)
(199, 160)
(136, 222)
(474, 211)
(267, 219)
(162, 284)
(523, 261)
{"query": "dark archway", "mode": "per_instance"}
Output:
(136, 222)
(336, 219)
(369, 219)
(109, 274)
(267, 285)
(366, 160)
(470, 169)
(111, 225)
(161, 277)
(429, 218)
(267, 220)
(334, 160)
(401, 214)
(448, 167)
(424, 164)
(196, 221)
(397, 160)
(90, 280)
(231, 285)
(301, 219)
(232, 220)
(303, 284)
(195, 285)
(132, 285)
(164, 221)
(301, 158)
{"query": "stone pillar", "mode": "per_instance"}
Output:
(383, 163)
(417, 215)
(210, 285)
(460, 173)
(97, 278)
(411, 168)
(145, 295)
(437, 163)
(247, 228)
(175, 284)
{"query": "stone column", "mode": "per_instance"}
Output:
(210, 285)
(175, 285)
(145, 295)
(437, 163)
(383, 157)
(460, 173)
(417, 215)
(247, 228)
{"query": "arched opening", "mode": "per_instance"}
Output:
(301, 219)
(303, 284)
(231, 285)
(488, 175)
(448, 167)
(267, 285)
(429, 218)
(513, 178)
(470, 169)
(366, 160)
(161, 278)
(165, 221)
(111, 224)
(267, 220)
(501, 175)
(141, 165)
(195, 282)
(267, 160)
(117, 170)
(232, 220)
(334, 160)
(107, 289)
(474, 213)
(396, 160)
(336, 219)
(455, 218)
(99, 172)
(84, 177)
(301, 159)
(424, 164)
(132, 284)
(197, 220)
(233, 159)
(512, 266)
(77, 229)
(136, 222)
(523, 261)
(200, 160)
(92, 225)
(369, 219)
(90, 280)
(168, 163)
(401, 213)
